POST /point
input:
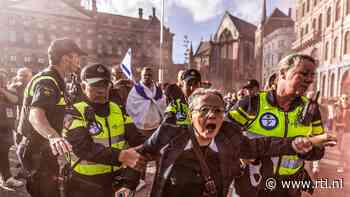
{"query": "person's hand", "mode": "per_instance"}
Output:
(325, 139)
(59, 145)
(302, 145)
(131, 158)
(123, 192)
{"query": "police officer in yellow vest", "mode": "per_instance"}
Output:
(278, 113)
(41, 119)
(100, 134)
(177, 110)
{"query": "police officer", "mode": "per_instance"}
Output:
(177, 111)
(99, 133)
(278, 113)
(41, 120)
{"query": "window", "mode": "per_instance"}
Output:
(314, 24)
(315, 3)
(27, 59)
(347, 43)
(26, 37)
(307, 5)
(78, 41)
(13, 36)
(347, 6)
(303, 10)
(41, 39)
(53, 26)
(337, 10)
(41, 60)
(13, 58)
(320, 23)
(329, 15)
(307, 29)
(335, 48)
(99, 49)
(110, 49)
(90, 31)
(89, 44)
(326, 51)
(281, 43)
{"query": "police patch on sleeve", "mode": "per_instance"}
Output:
(268, 121)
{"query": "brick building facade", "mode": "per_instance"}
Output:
(29, 26)
(227, 59)
(323, 31)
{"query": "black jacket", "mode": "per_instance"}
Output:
(169, 142)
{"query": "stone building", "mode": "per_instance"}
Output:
(274, 38)
(28, 26)
(227, 59)
(323, 31)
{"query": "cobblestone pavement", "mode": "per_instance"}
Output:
(328, 172)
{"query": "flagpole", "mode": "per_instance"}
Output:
(161, 66)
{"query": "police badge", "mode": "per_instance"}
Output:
(95, 128)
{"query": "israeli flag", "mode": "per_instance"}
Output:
(126, 65)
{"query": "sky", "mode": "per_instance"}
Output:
(197, 19)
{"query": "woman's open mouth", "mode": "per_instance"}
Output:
(210, 127)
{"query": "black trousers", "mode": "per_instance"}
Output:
(43, 182)
(5, 144)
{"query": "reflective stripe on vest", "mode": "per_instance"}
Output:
(286, 124)
(29, 91)
(116, 125)
(181, 111)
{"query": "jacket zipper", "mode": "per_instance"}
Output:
(109, 137)
(286, 122)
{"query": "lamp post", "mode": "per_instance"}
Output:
(161, 66)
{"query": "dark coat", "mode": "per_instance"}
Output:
(169, 142)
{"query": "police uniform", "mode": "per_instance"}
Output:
(98, 133)
(261, 117)
(177, 110)
(45, 91)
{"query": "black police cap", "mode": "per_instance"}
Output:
(95, 73)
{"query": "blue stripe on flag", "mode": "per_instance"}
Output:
(126, 70)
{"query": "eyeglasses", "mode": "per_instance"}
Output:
(204, 111)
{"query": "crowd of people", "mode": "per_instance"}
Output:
(91, 132)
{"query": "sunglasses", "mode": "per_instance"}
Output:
(204, 111)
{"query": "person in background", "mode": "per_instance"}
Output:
(8, 100)
(271, 82)
(121, 86)
(146, 104)
(252, 87)
(177, 111)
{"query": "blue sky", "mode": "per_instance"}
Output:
(195, 18)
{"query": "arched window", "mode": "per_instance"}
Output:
(347, 43)
(323, 86)
(329, 16)
(303, 10)
(326, 51)
(314, 24)
(338, 10)
(331, 87)
(335, 48)
(307, 5)
(320, 23)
